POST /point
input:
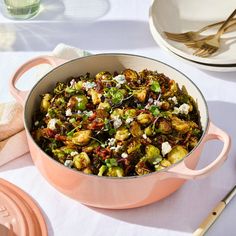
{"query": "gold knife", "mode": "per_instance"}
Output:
(211, 218)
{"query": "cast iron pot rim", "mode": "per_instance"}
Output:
(108, 177)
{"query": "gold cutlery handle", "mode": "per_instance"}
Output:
(229, 28)
(215, 24)
(225, 24)
(211, 218)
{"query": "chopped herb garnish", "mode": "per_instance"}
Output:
(154, 110)
(70, 90)
(111, 162)
(112, 131)
(155, 87)
(72, 120)
(115, 95)
(71, 133)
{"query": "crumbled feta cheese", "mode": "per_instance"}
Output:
(36, 123)
(72, 82)
(157, 103)
(124, 155)
(68, 163)
(117, 122)
(144, 136)
(173, 99)
(120, 79)
(183, 109)
(88, 113)
(52, 124)
(103, 145)
(79, 99)
(165, 148)
(129, 120)
(89, 85)
(117, 148)
(111, 141)
(74, 153)
(176, 110)
(150, 100)
(79, 112)
(68, 112)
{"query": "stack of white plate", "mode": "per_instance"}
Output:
(178, 16)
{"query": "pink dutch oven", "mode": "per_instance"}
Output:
(110, 192)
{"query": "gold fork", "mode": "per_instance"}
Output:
(212, 43)
(195, 44)
(190, 35)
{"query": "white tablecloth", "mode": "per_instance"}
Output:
(118, 26)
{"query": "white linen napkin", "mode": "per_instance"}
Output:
(13, 143)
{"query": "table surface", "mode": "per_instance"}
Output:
(118, 26)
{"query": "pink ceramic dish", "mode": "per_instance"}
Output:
(110, 192)
(19, 213)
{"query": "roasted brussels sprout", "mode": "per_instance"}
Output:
(90, 147)
(59, 88)
(162, 165)
(135, 129)
(78, 85)
(78, 102)
(104, 106)
(102, 169)
(134, 146)
(60, 101)
(88, 171)
(82, 137)
(149, 131)
(130, 113)
(155, 86)
(116, 113)
(96, 97)
(53, 123)
(131, 75)
(62, 152)
(45, 103)
(140, 94)
(142, 168)
(103, 75)
(152, 151)
(180, 125)
(81, 161)
(37, 135)
(122, 134)
(165, 106)
(115, 171)
(173, 88)
(176, 154)
(144, 118)
(153, 154)
(193, 141)
(164, 126)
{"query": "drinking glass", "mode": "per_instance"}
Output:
(22, 9)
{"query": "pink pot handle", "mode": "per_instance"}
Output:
(21, 95)
(182, 171)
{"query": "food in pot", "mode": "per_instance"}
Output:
(121, 124)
